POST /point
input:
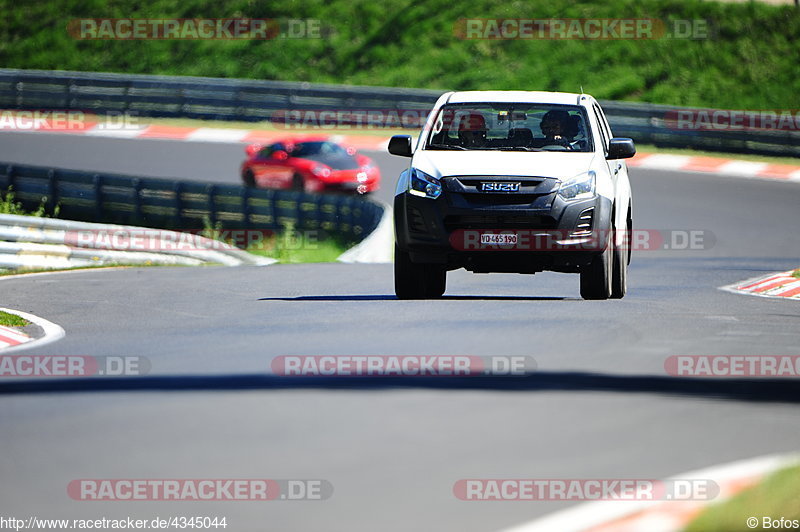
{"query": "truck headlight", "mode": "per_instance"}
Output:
(578, 187)
(423, 185)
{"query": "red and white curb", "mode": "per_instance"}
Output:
(780, 285)
(203, 134)
(14, 340)
(659, 516)
(656, 161)
(717, 165)
(11, 337)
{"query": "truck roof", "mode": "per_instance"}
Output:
(563, 98)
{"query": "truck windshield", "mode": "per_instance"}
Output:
(511, 127)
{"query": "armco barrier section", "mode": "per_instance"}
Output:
(253, 100)
(170, 204)
(192, 97)
(657, 125)
(38, 242)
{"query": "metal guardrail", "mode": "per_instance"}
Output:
(655, 124)
(38, 242)
(252, 100)
(169, 204)
(192, 97)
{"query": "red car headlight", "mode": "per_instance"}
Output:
(321, 171)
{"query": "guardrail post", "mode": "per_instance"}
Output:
(365, 218)
(136, 183)
(211, 190)
(68, 93)
(343, 215)
(236, 113)
(177, 187)
(246, 208)
(126, 102)
(351, 214)
(97, 184)
(299, 215)
(316, 215)
(9, 177)
(51, 190)
(182, 101)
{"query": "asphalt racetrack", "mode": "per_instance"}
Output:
(600, 405)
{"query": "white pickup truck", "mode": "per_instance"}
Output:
(513, 181)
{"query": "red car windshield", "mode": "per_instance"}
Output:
(306, 149)
(325, 152)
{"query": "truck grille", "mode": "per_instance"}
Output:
(498, 221)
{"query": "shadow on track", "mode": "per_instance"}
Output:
(755, 390)
(443, 298)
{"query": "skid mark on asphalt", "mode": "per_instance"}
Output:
(762, 390)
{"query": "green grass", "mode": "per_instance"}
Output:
(12, 320)
(294, 247)
(9, 206)
(749, 62)
(796, 273)
(775, 497)
(289, 245)
(327, 250)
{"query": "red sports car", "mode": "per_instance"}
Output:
(313, 164)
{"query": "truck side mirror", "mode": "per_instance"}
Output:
(400, 145)
(621, 148)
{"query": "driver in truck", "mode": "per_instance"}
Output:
(554, 126)
(472, 130)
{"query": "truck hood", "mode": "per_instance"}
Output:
(559, 165)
